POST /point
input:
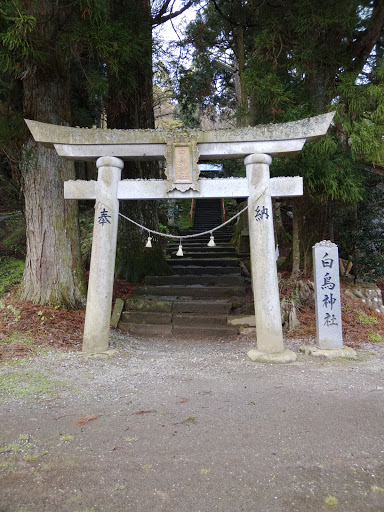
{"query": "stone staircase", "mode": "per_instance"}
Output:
(197, 298)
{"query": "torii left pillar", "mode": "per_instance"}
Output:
(103, 255)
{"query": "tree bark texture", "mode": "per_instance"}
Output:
(53, 273)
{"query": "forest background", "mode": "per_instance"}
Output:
(94, 63)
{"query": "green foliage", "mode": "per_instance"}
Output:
(5, 313)
(13, 239)
(183, 214)
(17, 40)
(366, 319)
(9, 191)
(359, 231)
(86, 235)
(377, 338)
(15, 242)
(328, 170)
(11, 273)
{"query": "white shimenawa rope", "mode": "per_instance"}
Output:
(183, 237)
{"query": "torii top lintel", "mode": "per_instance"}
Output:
(92, 143)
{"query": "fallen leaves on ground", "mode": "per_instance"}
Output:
(85, 419)
(355, 331)
(25, 327)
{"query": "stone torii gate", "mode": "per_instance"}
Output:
(182, 150)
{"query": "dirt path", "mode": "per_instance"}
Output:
(180, 426)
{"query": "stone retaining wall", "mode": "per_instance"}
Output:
(370, 295)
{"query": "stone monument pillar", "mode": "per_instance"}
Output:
(269, 331)
(101, 274)
(329, 335)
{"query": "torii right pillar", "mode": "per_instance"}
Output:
(269, 330)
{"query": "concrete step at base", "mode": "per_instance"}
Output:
(207, 280)
(192, 291)
(145, 329)
(200, 271)
(225, 332)
(146, 317)
(184, 320)
(166, 305)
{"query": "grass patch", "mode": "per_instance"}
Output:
(11, 273)
(373, 336)
(18, 337)
(15, 362)
(11, 448)
(66, 438)
(367, 319)
(331, 501)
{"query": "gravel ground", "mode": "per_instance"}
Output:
(191, 425)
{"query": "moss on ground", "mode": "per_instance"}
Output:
(27, 384)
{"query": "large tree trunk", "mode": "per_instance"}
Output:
(53, 269)
(53, 272)
(129, 108)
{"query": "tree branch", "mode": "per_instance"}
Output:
(163, 8)
(230, 19)
(161, 17)
(361, 48)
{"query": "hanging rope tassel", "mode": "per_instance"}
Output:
(180, 251)
(211, 242)
(149, 242)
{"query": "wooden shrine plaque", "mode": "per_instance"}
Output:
(182, 170)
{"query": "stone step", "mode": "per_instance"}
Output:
(218, 249)
(207, 280)
(194, 332)
(178, 319)
(184, 320)
(201, 228)
(193, 242)
(204, 262)
(201, 271)
(146, 329)
(209, 307)
(207, 331)
(149, 304)
(174, 305)
(219, 232)
(209, 253)
(146, 317)
(201, 240)
(192, 291)
(203, 234)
